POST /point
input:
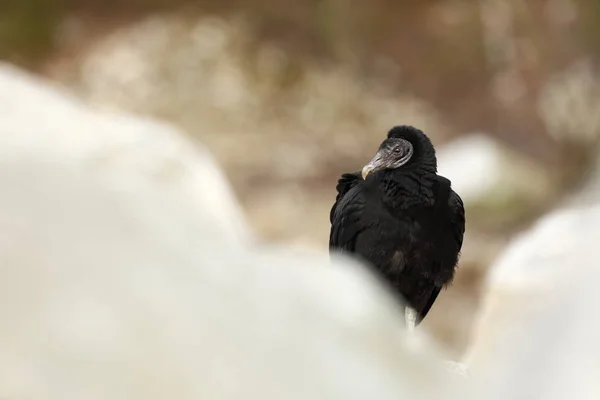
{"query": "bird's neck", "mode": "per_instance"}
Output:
(406, 188)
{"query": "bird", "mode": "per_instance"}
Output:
(402, 219)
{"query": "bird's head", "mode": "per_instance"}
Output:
(404, 145)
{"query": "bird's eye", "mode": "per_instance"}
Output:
(397, 149)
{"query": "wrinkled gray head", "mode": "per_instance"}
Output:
(393, 153)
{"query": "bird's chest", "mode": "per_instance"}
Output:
(404, 240)
(411, 225)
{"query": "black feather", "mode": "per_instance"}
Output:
(407, 223)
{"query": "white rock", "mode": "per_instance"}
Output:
(459, 369)
(38, 120)
(114, 285)
(537, 332)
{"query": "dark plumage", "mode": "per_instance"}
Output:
(402, 219)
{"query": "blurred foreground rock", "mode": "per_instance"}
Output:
(35, 118)
(125, 273)
(118, 282)
(537, 334)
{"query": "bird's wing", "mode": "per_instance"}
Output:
(457, 218)
(345, 183)
(457, 223)
(345, 213)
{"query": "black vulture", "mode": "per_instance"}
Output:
(402, 219)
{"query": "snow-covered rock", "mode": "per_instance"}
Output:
(116, 283)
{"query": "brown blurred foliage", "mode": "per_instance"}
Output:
(448, 51)
(481, 64)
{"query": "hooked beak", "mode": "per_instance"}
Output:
(373, 165)
(367, 169)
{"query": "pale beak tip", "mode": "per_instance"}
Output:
(365, 172)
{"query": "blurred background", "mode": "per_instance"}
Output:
(288, 95)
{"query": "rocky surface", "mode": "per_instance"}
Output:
(117, 282)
